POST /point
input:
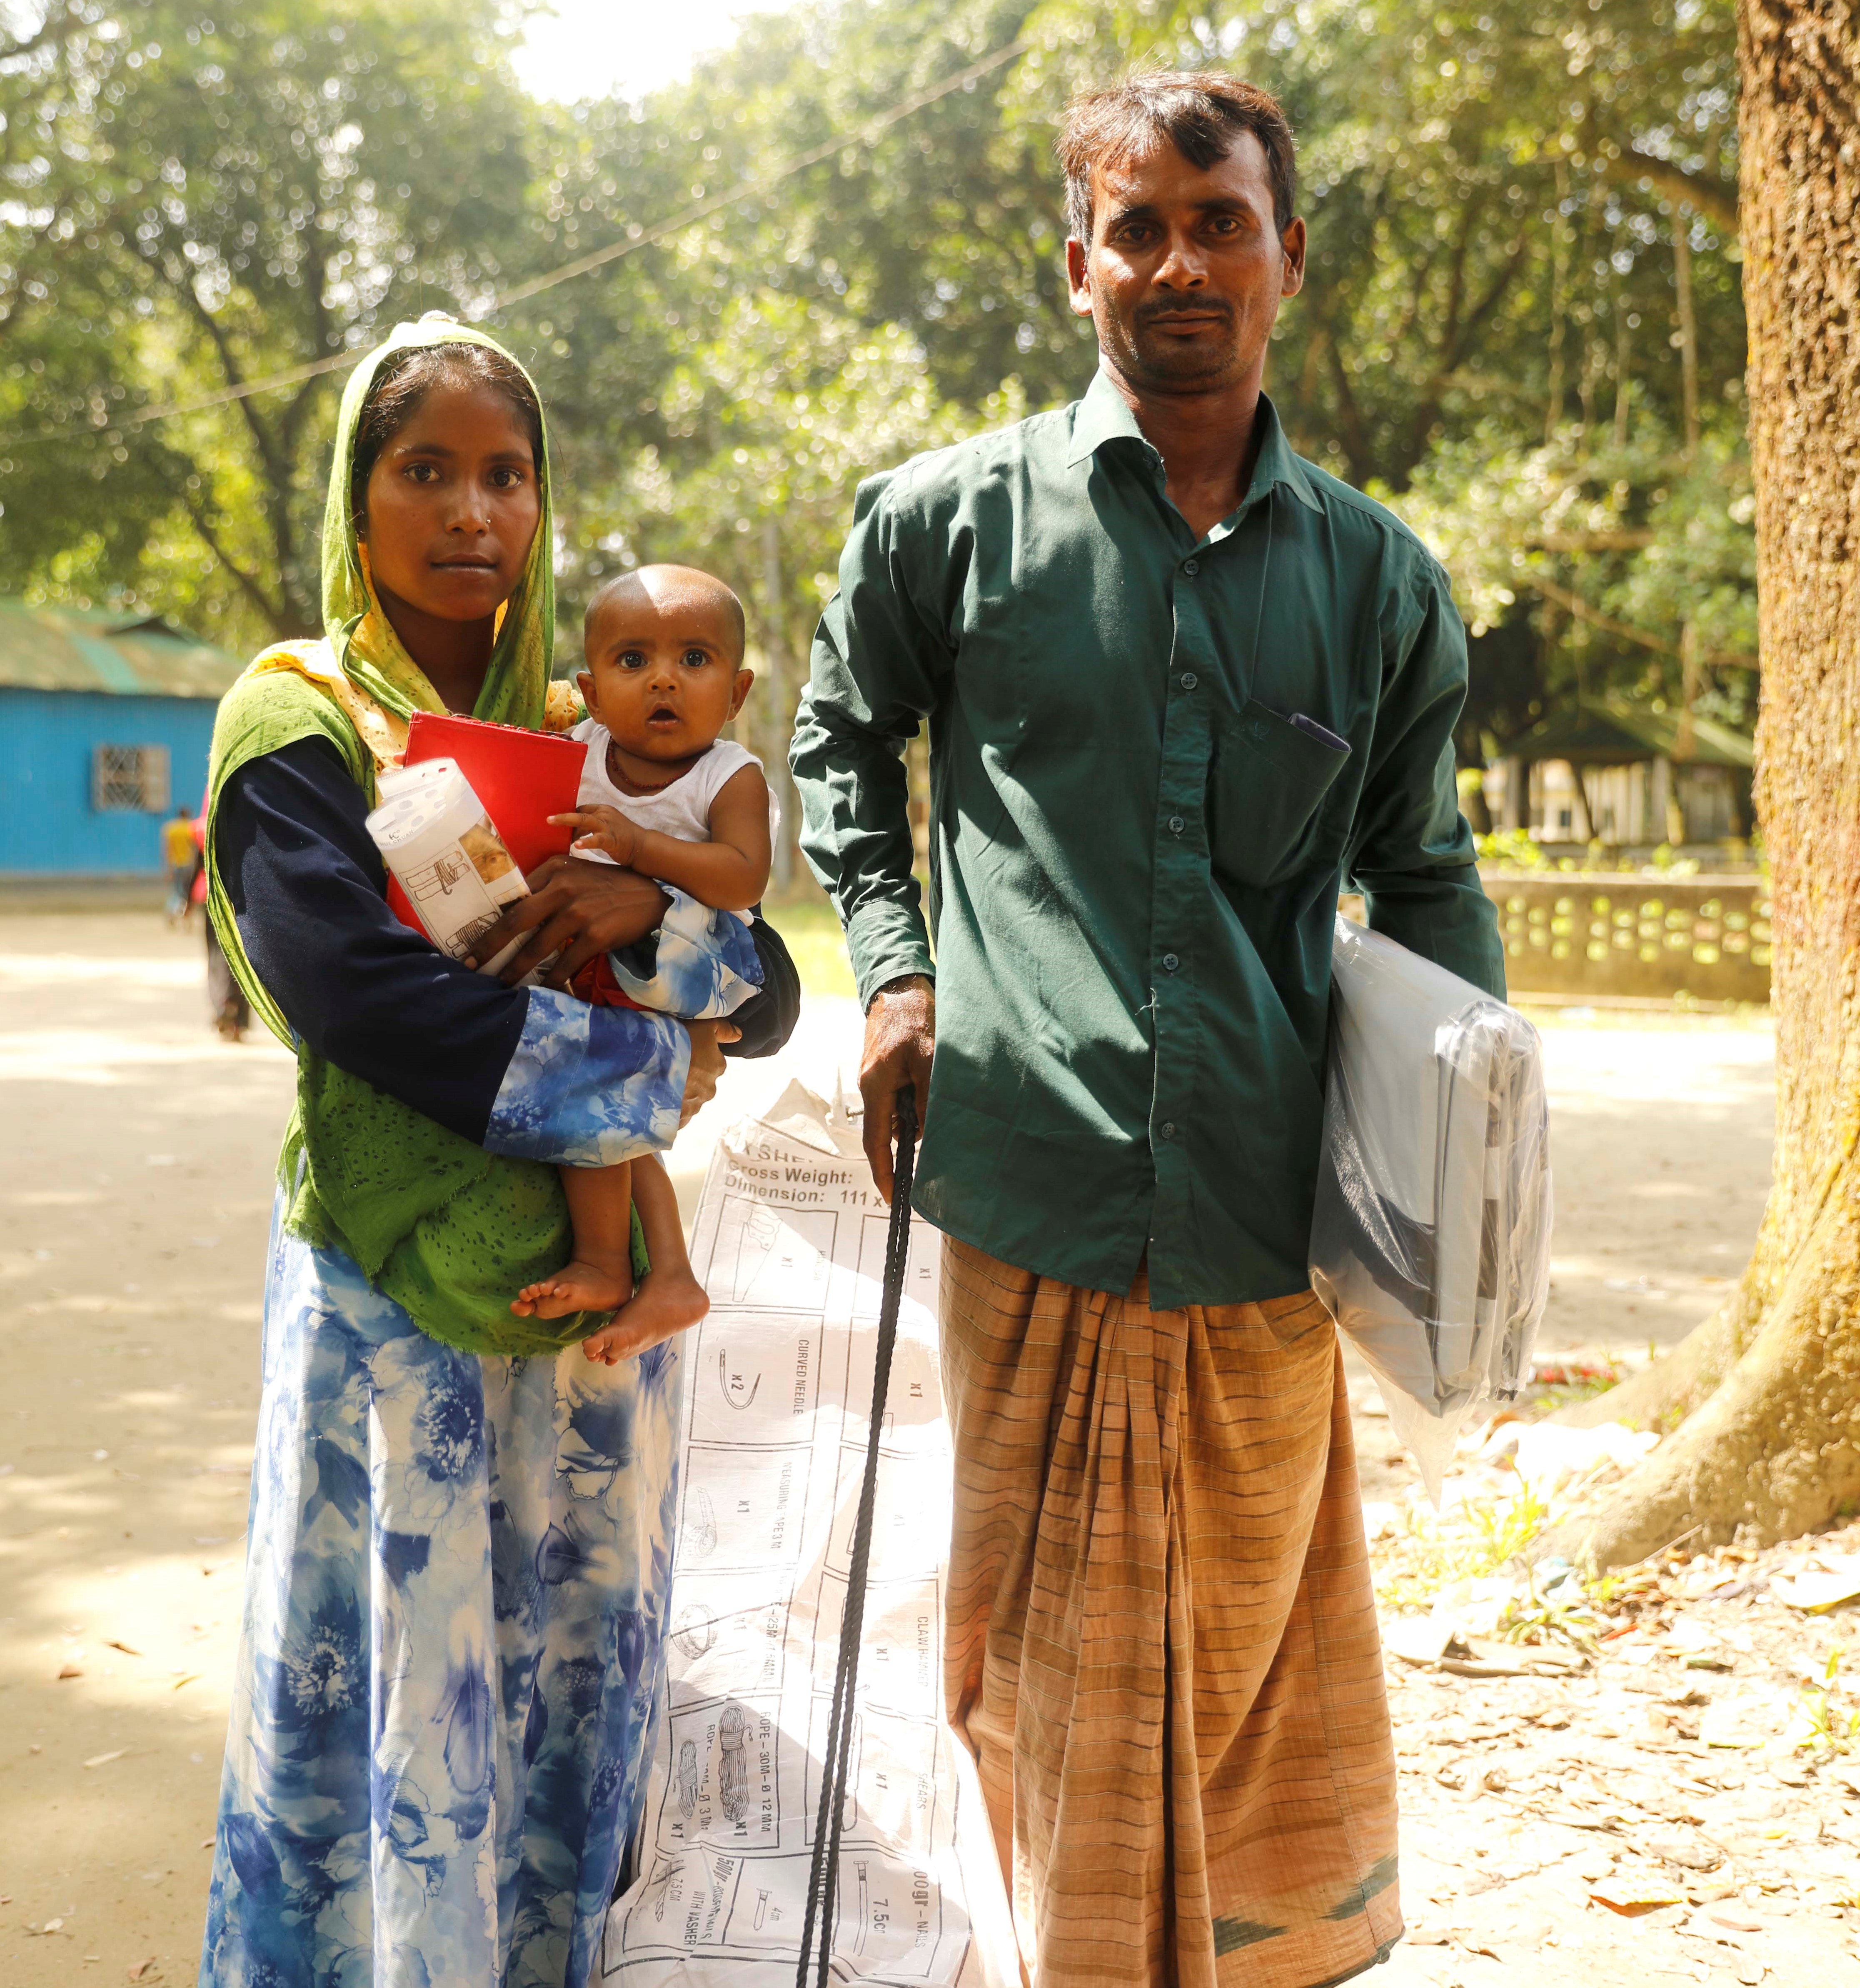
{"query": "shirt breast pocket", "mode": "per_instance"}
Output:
(1267, 785)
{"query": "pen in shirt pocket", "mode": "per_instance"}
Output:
(1322, 733)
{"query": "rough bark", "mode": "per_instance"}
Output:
(1769, 1389)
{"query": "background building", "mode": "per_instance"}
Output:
(1625, 775)
(105, 721)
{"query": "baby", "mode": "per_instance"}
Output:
(661, 795)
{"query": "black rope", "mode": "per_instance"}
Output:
(824, 1873)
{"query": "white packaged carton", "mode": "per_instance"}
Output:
(1430, 1236)
(440, 846)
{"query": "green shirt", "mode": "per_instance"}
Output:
(1151, 761)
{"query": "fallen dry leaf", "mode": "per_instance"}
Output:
(193, 1677)
(1817, 1591)
(114, 1645)
(141, 1969)
(104, 1760)
(1632, 1896)
(69, 1671)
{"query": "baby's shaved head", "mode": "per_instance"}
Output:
(668, 590)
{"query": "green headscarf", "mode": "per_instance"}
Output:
(363, 639)
(446, 1230)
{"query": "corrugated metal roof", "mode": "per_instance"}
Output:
(128, 655)
(1611, 732)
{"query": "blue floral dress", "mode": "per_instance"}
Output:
(450, 1667)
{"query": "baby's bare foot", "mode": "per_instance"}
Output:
(668, 1302)
(580, 1286)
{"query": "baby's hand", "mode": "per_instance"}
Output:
(603, 828)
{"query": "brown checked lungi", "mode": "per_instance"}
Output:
(1162, 1640)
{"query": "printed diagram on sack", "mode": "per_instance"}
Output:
(726, 1778)
(900, 1653)
(742, 1510)
(705, 1904)
(748, 1380)
(791, 1245)
(777, 1258)
(892, 1785)
(910, 1514)
(729, 1633)
(918, 1315)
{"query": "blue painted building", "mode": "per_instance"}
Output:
(105, 721)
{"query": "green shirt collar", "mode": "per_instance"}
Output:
(1103, 415)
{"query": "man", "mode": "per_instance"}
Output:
(1180, 684)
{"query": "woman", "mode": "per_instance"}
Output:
(461, 1534)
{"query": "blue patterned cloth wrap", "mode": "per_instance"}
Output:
(700, 964)
(451, 1668)
(589, 1086)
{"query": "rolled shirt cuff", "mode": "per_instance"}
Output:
(590, 1086)
(887, 940)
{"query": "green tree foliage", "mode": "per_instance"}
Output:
(1523, 322)
(265, 191)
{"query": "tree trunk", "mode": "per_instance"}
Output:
(1766, 1395)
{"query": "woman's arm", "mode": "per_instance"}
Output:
(521, 1071)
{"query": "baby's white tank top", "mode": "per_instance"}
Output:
(681, 810)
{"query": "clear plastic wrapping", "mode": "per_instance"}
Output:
(1430, 1238)
(444, 850)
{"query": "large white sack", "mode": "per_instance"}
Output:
(790, 1240)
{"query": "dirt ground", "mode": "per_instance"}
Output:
(135, 1183)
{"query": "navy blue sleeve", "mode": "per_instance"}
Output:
(308, 892)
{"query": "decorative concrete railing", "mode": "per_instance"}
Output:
(1595, 935)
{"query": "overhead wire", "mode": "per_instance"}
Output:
(645, 237)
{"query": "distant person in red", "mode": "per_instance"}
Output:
(226, 1000)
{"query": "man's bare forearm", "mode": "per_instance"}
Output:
(900, 1043)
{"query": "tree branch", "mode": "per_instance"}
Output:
(181, 282)
(1456, 340)
(1627, 540)
(1574, 604)
(1350, 416)
(1712, 198)
(272, 611)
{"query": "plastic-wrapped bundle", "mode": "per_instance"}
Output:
(439, 845)
(1430, 1240)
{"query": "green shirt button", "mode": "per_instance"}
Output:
(1170, 962)
(1176, 824)
(1168, 1129)
(1189, 679)
(1191, 567)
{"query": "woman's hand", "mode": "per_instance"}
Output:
(575, 910)
(706, 1066)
